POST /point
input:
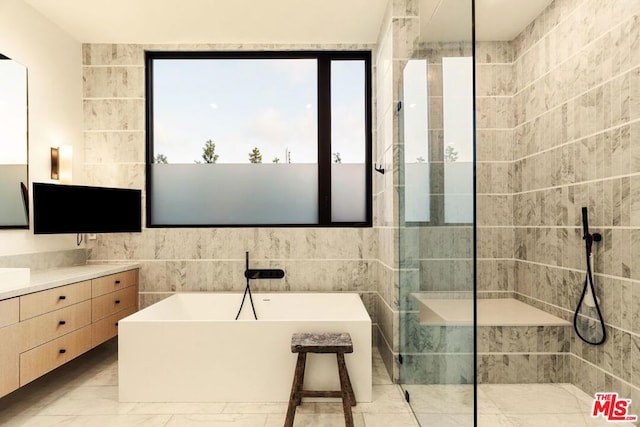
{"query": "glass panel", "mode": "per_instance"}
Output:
(348, 198)
(230, 115)
(437, 274)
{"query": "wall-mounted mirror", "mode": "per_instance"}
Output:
(14, 203)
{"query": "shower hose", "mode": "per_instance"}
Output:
(588, 297)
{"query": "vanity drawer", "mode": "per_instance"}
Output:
(113, 282)
(107, 328)
(46, 327)
(9, 311)
(38, 303)
(9, 374)
(40, 360)
(109, 304)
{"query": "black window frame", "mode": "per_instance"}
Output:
(324, 60)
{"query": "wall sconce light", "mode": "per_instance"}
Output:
(62, 164)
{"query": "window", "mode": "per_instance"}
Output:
(258, 138)
(457, 117)
(415, 126)
(438, 117)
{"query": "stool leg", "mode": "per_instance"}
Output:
(352, 396)
(348, 399)
(295, 398)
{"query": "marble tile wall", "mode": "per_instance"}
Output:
(557, 128)
(397, 36)
(495, 87)
(384, 194)
(523, 354)
(210, 259)
(45, 260)
(576, 113)
(506, 354)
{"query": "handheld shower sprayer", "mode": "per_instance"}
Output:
(590, 298)
(583, 319)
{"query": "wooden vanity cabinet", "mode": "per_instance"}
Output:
(38, 303)
(9, 345)
(48, 356)
(43, 330)
(114, 298)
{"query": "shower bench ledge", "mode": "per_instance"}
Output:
(491, 312)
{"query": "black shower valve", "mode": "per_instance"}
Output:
(596, 237)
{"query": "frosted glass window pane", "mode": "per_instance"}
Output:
(416, 141)
(417, 192)
(348, 199)
(457, 103)
(458, 192)
(234, 194)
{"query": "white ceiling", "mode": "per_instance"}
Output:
(276, 21)
(216, 21)
(496, 20)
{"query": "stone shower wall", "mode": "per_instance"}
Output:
(577, 143)
(558, 112)
(398, 34)
(495, 87)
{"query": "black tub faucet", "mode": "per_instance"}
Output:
(252, 274)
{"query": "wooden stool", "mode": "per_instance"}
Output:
(321, 343)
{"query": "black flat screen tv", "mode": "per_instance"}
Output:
(59, 209)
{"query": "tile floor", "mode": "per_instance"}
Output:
(505, 405)
(84, 393)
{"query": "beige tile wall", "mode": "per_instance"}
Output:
(576, 111)
(495, 87)
(558, 128)
(206, 259)
(386, 196)
(398, 35)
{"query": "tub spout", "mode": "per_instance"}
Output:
(274, 273)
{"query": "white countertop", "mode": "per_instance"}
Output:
(46, 279)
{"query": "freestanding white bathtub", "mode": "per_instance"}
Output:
(189, 348)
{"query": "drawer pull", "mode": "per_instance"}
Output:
(63, 351)
(61, 297)
(62, 322)
(117, 301)
(117, 282)
(116, 323)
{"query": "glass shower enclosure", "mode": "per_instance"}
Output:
(437, 220)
